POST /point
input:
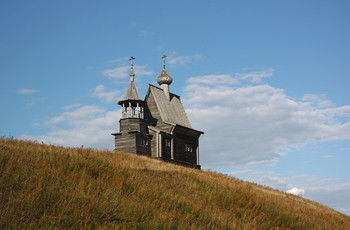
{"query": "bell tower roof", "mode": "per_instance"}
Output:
(132, 94)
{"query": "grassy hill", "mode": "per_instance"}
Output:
(51, 187)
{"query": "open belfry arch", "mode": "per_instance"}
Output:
(157, 126)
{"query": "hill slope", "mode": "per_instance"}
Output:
(45, 186)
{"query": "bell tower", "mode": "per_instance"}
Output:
(133, 128)
(132, 105)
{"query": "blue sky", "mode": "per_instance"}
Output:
(267, 81)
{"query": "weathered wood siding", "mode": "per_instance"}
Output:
(133, 136)
(153, 143)
(143, 145)
(126, 142)
(166, 150)
(180, 153)
(133, 124)
(134, 143)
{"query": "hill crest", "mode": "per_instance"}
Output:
(45, 186)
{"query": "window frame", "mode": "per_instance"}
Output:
(188, 148)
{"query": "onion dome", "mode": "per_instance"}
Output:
(164, 78)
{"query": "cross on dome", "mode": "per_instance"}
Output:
(164, 80)
(164, 61)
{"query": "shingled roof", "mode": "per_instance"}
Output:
(171, 111)
(132, 94)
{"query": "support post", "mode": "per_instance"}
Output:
(123, 110)
(197, 152)
(157, 145)
(160, 145)
(172, 148)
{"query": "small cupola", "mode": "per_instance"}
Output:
(164, 80)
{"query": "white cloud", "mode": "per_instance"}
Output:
(106, 97)
(332, 192)
(118, 61)
(90, 126)
(117, 73)
(174, 59)
(80, 115)
(319, 100)
(269, 179)
(328, 191)
(343, 111)
(255, 77)
(26, 91)
(69, 107)
(255, 125)
(213, 79)
(55, 120)
(122, 72)
(296, 191)
(334, 195)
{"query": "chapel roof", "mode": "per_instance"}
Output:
(171, 111)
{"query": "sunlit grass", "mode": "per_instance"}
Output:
(47, 187)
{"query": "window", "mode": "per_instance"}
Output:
(145, 142)
(167, 143)
(188, 148)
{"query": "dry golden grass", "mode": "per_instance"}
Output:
(49, 187)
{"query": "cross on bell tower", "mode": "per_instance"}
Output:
(132, 75)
